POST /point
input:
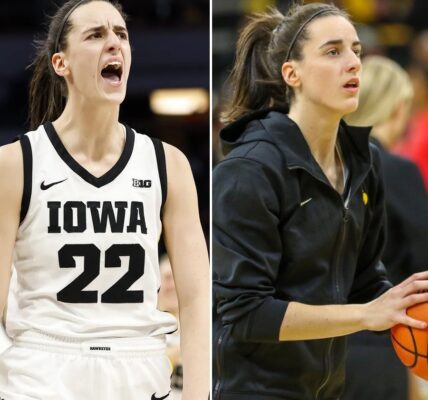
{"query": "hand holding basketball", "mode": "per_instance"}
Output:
(411, 344)
(390, 308)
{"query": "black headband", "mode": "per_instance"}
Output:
(64, 21)
(297, 34)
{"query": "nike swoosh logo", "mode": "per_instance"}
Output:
(45, 187)
(160, 398)
(305, 202)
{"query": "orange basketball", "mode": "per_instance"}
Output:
(410, 344)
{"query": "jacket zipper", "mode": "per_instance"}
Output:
(341, 241)
(328, 357)
(328, 363)
(219, 353)
(345, 218)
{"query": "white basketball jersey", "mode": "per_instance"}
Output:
(86, 253)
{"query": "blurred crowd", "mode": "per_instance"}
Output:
(22, 15)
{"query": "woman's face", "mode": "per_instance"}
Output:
(329, 72)
(98, 53)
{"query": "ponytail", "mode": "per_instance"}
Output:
(264, 44)
(47, 91)
(253, 81)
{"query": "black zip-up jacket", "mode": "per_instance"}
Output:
(282, 233)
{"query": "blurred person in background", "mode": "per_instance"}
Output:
(385, 103)
(414, 145)
(85, 191)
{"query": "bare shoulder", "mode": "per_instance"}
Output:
(178, 168)
(181, 185)
(11, 170)
(11, 160)
(175, 158)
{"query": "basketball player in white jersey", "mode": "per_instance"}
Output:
(83, 202)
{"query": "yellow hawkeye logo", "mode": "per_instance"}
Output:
(365, 198)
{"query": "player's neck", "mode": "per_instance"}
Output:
(319, 130)
(93, 130)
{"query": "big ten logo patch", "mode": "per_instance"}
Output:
(142, 183)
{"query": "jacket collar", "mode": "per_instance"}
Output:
(288, 137)
(274, 126)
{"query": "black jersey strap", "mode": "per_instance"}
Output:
(28, 175)
(160, 157)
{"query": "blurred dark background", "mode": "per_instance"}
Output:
(387, 27)
(170, 41)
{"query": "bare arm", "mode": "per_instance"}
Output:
(11, 187)
(303, 321)
(187, 250)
